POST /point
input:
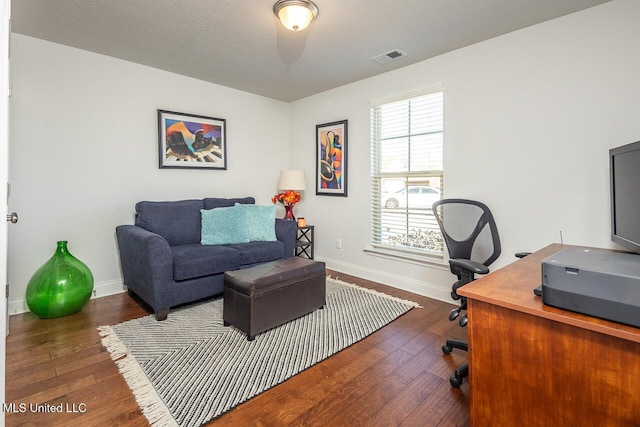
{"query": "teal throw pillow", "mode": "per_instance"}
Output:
(222, 226)
(259, 222)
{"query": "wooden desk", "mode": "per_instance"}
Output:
(535, 365)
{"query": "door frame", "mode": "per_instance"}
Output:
(5, 29)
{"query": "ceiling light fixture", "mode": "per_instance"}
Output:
(295, 15)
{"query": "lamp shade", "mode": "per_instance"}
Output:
(295, 15)
(291, 180)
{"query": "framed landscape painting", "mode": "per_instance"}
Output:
(191, 141)
(331, 159)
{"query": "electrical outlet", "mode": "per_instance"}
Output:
(339, 243)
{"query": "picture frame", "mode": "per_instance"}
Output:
(331, 158)
(189, 141)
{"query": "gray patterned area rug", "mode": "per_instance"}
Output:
(190, 368)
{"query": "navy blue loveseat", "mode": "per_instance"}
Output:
(164, 263)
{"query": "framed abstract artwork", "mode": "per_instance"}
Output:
(191, 141)
(331, 159)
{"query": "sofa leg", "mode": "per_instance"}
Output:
(162, 314)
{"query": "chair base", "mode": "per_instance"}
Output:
(456, 378)
(462, 371)
(451, 344)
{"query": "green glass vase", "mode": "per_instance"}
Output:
(61, 286)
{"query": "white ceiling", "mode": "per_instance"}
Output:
(241, 44)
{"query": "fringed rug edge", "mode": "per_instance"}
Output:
(373, 291)
(152, 406)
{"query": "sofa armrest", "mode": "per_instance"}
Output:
(286, 232)
(146, 261)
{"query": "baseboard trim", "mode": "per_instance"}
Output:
(419, 287)
(99, 290)
(408, 284)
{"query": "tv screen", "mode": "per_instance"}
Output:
(624, 166)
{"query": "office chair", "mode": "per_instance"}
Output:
(471, 236)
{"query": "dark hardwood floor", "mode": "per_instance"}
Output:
(397, 376)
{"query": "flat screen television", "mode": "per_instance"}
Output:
(624, 167)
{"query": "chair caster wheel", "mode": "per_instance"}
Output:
(446, 349)
(455, 381)
(463, 320)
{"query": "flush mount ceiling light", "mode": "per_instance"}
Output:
(295, 15)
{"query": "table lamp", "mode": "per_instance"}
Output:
(291, 180)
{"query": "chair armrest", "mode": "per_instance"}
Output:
(470, 266)
(146, 261)
(286, 232)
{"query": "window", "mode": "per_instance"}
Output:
(406, 172)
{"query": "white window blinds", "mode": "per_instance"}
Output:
(406, 172)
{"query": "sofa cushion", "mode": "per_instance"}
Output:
(196, 260)
(216, 202)
(254, 252)
(259, 222)
(177, 221)
(221, 226)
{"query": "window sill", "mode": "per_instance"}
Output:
(408, 256)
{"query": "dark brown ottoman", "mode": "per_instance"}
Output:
(271, 294)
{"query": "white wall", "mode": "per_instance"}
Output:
(84, 149)
(529, 119)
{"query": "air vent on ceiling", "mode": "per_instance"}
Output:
(389, 56)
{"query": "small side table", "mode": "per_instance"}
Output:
(304, 242)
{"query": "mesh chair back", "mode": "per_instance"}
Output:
(469, 230)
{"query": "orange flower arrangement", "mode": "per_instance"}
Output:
(287, 198)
